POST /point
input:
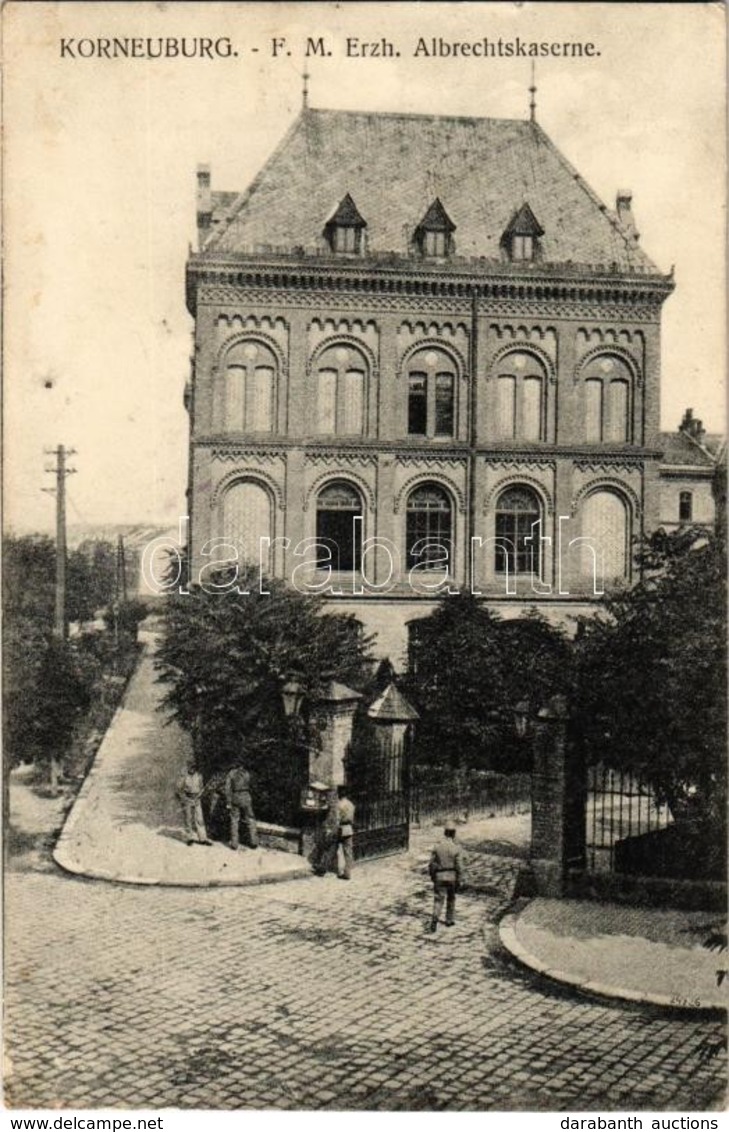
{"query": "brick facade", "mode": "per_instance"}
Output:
(347, 337)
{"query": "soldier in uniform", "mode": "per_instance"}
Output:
(445, 872)
(190, 789)
(240, 804)
(345, 815)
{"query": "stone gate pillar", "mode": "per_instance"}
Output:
(392, 714)
(558, 801)
(333, 715)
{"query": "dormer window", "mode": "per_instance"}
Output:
(522, 247)
(345, 228)
(521, 237)
(433, 236)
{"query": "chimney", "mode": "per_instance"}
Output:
(692, 426)
(204, 203)
(624, 210)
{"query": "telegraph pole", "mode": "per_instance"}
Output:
(60, 471)
(121, 571)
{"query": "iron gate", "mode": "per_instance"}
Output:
(621, 813)
(378, 781)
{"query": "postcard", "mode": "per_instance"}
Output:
(364, 561)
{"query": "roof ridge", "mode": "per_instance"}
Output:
(417, 114)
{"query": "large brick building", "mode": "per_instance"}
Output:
(424, 345)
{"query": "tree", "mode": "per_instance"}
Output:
(47, 682)
(225, 657)
(468, 673)
(90, 580)
(651, 677)
(29, 578)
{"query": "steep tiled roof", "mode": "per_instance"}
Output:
(482, 169)
(679, 448)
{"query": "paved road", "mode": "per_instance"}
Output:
(314, 994)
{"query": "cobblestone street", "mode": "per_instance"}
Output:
(316, 994)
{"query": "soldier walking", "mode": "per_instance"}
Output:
(446, 872)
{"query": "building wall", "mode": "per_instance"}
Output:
(564, 342)
(703, 511)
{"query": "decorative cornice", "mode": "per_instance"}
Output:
(516, 479)
(484, 278)
(524, 346)
(365, 489)
(457, 305)
(616, 463)
(228, 446)
(517, 462)
(245, 475)
(233, 451)
(608, 483)
(691, 471)
(430, 477)
(430, 459)
(337, 456)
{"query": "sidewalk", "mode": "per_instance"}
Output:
(648, 955)
(126, 825)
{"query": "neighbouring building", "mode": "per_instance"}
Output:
(427, 355)
(691, 475)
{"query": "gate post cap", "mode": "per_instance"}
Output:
(392, 707)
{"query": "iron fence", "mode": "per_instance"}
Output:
(461, 797)
(621, 808)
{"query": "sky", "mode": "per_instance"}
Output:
(99, 195)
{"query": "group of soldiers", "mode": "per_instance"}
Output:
(335, 847)
(237, 794)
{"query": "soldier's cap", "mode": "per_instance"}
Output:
(450, 827)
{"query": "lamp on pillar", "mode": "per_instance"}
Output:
(292, 695)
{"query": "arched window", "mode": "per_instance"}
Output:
(520, 397)
(518, 531)
(431, 378)
(429, 532)
(250, 382)
(340, 537)
(605, 527)
(607, 385)
(246, 520)
(341, 391)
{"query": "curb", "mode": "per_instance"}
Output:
(69, 864)
(75, 869)
(509, 939)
